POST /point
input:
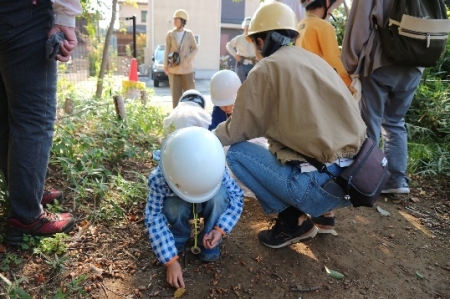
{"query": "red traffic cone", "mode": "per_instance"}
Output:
(133, 75)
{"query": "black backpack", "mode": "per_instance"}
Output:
(416, 32)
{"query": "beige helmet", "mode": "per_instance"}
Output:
(272, 16)
(246, 22)
(182, 14)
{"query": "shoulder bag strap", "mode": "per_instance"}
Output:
(181, 42)
(322, 168)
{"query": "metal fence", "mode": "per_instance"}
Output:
(83, 67)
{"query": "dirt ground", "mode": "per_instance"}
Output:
(403, 255)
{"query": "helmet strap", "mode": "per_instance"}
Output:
(326, 10)
(273, 42)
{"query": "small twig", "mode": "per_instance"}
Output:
(104, 289)
(312, 289)
(115, 293)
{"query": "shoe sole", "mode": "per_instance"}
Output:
(18, 239)
(309, 235)
(396, 191)
(331, 231)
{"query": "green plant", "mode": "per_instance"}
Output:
(10, 260)
(54, 244)
(13, 291)
(56, 263)
(90, 145)
(72, 289)
(30, 242)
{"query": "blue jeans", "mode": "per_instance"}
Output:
(27, 102)
(242, 70)
(178, 213)
(279, 186)
(387, 96)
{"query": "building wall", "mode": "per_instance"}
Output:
(204, 21)
(128, 10)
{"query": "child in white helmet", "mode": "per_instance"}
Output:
(190, 181)
(223, 86)
(189, 112)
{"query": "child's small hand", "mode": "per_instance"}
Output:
(212, 239)
(175, 275)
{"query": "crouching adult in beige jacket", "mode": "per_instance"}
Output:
(181, 40)
(300, 104)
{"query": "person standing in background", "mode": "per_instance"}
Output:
(244, 53)
(181, 40)
(387, 89)
(28, 107)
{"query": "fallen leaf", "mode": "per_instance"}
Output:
(39, 278)
(382, 212)
(334, 274)
(2, 248)
(179, 292)
(414, 199)
(95, 269)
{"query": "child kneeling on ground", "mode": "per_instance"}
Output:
(223, 86)
(190, 180)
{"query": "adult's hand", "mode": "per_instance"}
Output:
(68, 45)
(238, 58)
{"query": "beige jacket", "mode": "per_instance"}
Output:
(187, 53)
(296, 100)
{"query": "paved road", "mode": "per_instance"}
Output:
(162, 93)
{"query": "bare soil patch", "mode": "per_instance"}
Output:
(403, 255)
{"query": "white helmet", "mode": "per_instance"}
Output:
(246, 22)
(193, 163)
(192, 95)
(224, 86)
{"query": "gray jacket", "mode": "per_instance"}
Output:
(361, 49)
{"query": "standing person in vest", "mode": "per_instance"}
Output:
(244, 53)
(387, 89)
(181, 40)
(301, 105)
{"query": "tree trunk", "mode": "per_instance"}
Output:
(101, 74)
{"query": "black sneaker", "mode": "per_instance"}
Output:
(280, 235)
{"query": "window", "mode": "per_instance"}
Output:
(143, 16)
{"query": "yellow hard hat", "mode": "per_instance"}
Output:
(182, 14)
(272, 16)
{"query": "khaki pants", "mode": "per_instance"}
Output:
(179, 84)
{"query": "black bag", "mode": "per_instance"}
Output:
(173, 59)
(362, 181)
(416, 32)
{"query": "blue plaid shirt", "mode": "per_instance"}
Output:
(161, 237)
